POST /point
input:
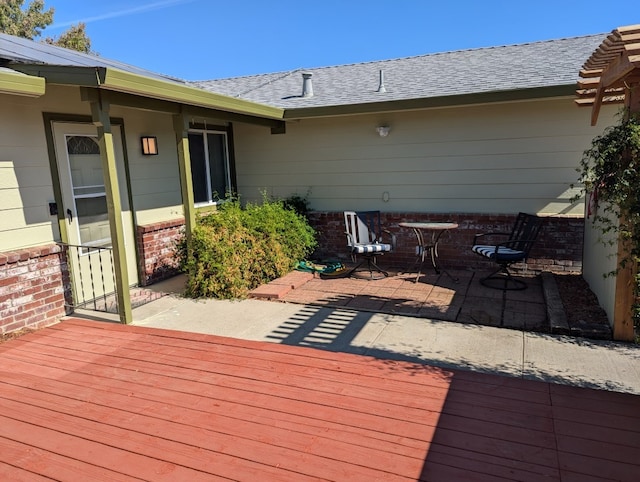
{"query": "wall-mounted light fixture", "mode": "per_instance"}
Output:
(383, 131)
(149, 145)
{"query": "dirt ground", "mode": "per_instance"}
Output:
(579, 301)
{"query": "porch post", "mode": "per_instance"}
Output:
(625, 278)
(181, 128)
(100, 118)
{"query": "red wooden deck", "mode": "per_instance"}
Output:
(95, 401)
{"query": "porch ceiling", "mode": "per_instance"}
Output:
(607, 73)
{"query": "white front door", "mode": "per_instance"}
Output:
(85, 210)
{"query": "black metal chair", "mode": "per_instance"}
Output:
(365, 239)
(514, 250)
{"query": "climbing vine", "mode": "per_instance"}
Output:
(610, 173)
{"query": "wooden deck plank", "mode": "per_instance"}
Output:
(192, 414)
(229, 401)
(577, 466)
(519, 469)
(180, 364)
(216, 348)
(202, 406)
(597, 419)
(87, 451)
(384, 417)
(212, 438)
(400, 390)
(471, 426)
(19, 474)
(31, 463)
(584, 429)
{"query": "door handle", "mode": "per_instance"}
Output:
(69, 214)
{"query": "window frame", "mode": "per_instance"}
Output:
(229, 162)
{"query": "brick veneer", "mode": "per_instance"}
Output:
(33, 283)
(558, 248)
(156, 250)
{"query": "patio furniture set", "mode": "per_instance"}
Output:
(367, 239)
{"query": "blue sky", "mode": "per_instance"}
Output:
(207, 39)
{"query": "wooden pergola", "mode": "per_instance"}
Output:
(611, 75)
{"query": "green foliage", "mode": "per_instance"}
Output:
(75, 39)
(297, 203)
(610, 170)
(27, 23)
(237, 249)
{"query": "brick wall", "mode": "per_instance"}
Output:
(558, 248)
(156, 250)
(33, 283)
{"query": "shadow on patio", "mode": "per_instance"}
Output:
(434, 296)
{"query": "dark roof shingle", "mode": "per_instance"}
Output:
(494, 69)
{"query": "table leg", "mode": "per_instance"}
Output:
(430, 249)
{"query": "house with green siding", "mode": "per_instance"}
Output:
(104, 165)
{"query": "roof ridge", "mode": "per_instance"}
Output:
(471, 49)
(271, 80)
(382, 61)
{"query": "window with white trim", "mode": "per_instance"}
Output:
(210, 171)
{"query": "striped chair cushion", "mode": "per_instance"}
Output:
(504, 253)
(370, 248)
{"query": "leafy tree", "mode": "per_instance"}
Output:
(30, 21)
(75, 38)
(27, 23)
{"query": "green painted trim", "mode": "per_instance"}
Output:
(119, 123)
(147, 103)
(181, 129)
(55, 177)
(18, 83)
(168, 96)
(432, 102)
(49, 118)
(122, 81)
(101, 119)
(62, 74)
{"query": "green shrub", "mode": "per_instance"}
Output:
(237, 249)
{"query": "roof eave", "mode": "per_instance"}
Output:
(431, 102)
(120, 81)
(18, 83)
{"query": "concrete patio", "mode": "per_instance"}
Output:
(514, 351)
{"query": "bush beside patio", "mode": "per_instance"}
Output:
(236, 248)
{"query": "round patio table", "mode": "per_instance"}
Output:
(428, 245)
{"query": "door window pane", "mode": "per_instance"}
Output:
(89, 195)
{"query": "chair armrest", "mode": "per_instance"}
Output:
(350, 241)
(511, 242)
(391, 235)
(496, 233)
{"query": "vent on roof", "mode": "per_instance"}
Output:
(381, 87)
(307, 86)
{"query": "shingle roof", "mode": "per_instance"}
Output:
(24, 51)
(495, 69)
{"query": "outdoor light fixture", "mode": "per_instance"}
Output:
(383, 131)
(149, 145)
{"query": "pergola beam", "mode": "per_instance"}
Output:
(603, 75)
